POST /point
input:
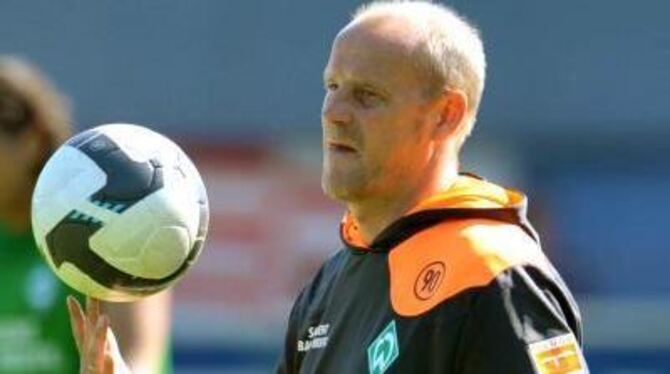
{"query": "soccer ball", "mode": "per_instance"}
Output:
(119, 212)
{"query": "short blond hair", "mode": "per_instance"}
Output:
(29, 100)
(450, 47)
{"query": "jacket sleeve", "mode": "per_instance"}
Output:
(288, 361)
(291, 359)
(522, 322)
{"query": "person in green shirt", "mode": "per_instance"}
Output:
(35, 336)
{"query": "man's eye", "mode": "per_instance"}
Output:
(330, 86)
(367, 97)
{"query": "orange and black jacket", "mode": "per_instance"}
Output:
(457, 285)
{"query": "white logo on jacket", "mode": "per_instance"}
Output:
(317, 337)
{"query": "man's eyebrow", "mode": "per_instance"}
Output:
(373, 85)
(360, 82)
(328, 73)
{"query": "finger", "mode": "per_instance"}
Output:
(77, 321)
(92, 310)
(111, 352)
(96, 347)
(109, 365)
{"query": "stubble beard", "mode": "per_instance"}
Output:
(342, 185)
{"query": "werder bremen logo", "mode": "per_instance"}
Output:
(383, 350)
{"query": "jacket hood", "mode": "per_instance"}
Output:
(468, 197)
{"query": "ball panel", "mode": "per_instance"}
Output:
(68, 243)
(132, 220)
(65, 183)
(164, 251)
(81, 282)
(81, 138)
(124, 238)
(203, 225)
(128, 180)
(140, 144)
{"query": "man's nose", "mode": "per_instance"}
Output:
(335, 110)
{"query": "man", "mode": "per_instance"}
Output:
(34, 332)
(440, 272)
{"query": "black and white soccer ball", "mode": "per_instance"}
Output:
(119, 212)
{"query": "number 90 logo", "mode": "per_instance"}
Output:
(429, 280)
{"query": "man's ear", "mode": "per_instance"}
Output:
(452, 109)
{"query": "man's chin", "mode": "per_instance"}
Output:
(344, 192)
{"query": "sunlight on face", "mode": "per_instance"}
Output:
(15, 170)
(376, 143)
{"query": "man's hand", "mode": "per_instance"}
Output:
(98, 350)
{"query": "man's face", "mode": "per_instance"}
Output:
(16, 169)
(376, 137)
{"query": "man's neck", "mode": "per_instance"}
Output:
(373, 216)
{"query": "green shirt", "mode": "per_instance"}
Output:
(35, 335)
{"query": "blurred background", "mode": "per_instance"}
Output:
(575, 113)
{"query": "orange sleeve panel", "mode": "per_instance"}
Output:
(440, 262)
